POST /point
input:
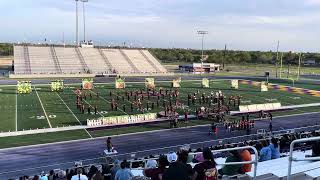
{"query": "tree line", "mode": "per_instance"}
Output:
(231, 56)
(6, 49)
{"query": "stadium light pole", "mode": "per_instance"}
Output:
(277, 59)
(77, 31)
(299, 66)
(84, 19)
(202, 33)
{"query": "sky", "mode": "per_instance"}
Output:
(240, 24)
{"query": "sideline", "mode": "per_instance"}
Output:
(144, 132)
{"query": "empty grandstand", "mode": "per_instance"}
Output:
(49, 60)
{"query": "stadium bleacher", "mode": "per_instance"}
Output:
(73, 60)
(41, 61)
(271, 169)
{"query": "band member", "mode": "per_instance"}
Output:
(83, 109)
(95, 109)
(89, 109)
(109, 144)
(186, 116)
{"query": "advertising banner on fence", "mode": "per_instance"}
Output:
(264, 86)
(234, 84)
(125, 119)
(87, 83)
(57, 85)
(205, 83)
(24, 87)
(176, 82)
(120, 83)
(149, 82)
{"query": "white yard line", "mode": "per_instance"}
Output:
(16, 111)
(45, 113)
(109, 102)
(73, 114)
(90, 105)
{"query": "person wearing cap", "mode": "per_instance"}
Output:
(207, 168)
(178, 168)
(156, 173)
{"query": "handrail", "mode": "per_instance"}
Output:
(297, 159)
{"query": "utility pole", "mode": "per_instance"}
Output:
(224, 56)
(281, 64)
(277, 60)
(298, 73)
(202, 33)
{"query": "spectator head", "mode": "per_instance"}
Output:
(207, 154)
(199, 157)
(51, 173)
(163, 162)
(36, 177)
(183, 155)
(234, 153)
(274, 142)
(151, 163)
(61, 174)
(93, 169)
(116, 163)
(264, 143)
(172, 157)
(123, 164)
(79, 171)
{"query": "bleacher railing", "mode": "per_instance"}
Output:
(303, 159)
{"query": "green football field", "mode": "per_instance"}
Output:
(44, 108)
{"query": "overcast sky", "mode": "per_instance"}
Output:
(241, 24)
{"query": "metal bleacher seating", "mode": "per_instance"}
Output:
(139, 61)
(69, 60)
(94, 60)
(41, 60)
(154, 61)
(19, 60)
(74, 60)
(118, 61)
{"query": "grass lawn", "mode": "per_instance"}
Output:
(32, 139)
